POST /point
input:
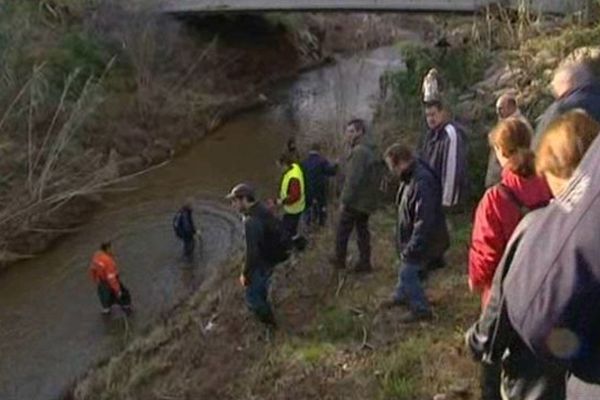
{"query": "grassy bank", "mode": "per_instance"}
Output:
(334, 341)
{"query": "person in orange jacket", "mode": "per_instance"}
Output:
(104, 273)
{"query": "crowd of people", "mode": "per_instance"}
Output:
(534, 252)
(431, 181)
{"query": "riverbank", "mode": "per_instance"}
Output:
(335, 342)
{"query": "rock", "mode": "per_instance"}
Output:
(440, 396)
(501, 78)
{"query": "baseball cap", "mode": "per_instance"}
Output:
(241, 190)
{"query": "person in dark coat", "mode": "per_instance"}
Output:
(573, 86)
(185, 229)
(258, 267)
(553, 288)
(445, 150)
(493, 341)
(359, 196)
(317, 170)
(421, 232)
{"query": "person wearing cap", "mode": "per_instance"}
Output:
(104, 273)
(258, 268)
(292, 194)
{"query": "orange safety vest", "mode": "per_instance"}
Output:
(104, 269)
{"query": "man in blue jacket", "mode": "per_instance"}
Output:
(573, 86)
(317, 170)
(421, 232)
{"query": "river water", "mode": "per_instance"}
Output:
(51, 331)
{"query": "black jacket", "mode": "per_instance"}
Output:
(421, 233)
(493, 340)
(183, 223)
(255, 227)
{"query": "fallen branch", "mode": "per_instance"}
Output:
(365, 344)
(9, 214)
(340, 285)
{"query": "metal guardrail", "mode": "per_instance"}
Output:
(207, 6)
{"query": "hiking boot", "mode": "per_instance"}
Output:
(412, 317)
(393, 303)
(337, 263)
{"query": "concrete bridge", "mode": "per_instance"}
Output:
(226, 6)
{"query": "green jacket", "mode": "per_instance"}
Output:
(363, 177)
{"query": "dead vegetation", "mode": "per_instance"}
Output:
(92, 91)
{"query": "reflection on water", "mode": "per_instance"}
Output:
(50, 328)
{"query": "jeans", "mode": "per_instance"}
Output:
(317, 212)
(257, 296)
(348, 220)
(409, 288)
(290, 224)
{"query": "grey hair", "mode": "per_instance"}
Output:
(577, 74)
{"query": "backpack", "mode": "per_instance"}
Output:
(179, 225)
(511, 196)
(277, 245)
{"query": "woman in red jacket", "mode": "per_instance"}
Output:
(499, 213)
(503, 205)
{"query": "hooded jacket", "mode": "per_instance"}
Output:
(496, 217)
(553, 288)
(361, 186)
(421, 233)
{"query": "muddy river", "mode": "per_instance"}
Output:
(51, 331)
